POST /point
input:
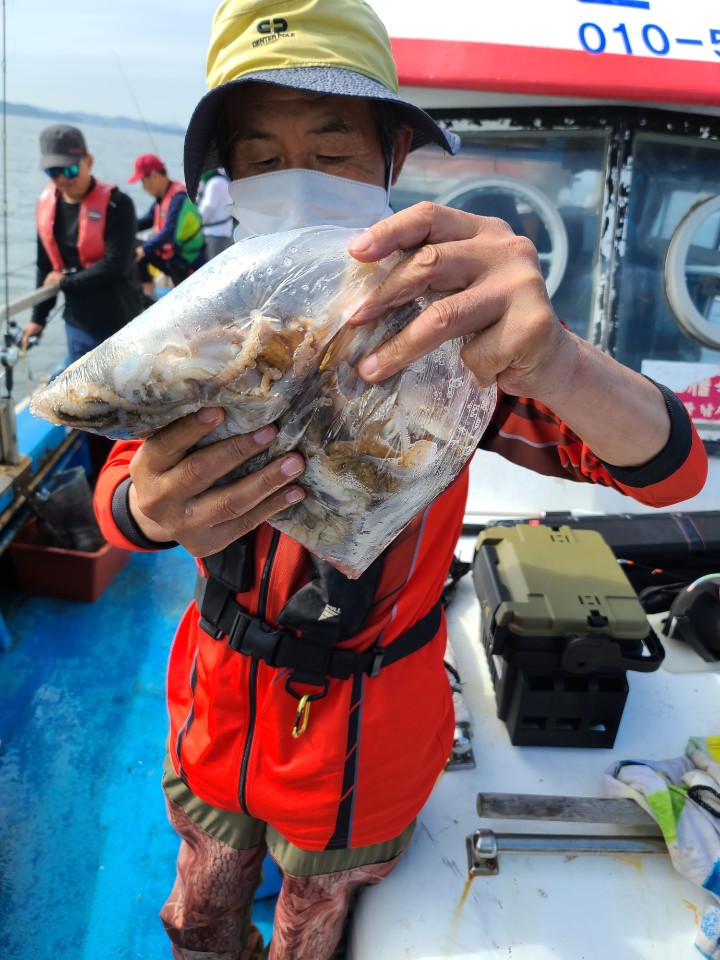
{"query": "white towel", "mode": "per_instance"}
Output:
(683, 795)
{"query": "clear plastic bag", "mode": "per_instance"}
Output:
(260, 331)
(242, 333)
(377, 454)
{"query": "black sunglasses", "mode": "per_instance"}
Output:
(68, 172)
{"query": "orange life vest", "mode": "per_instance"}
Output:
(162, 207)
(374, 745)
(375, 742)
(91, 224)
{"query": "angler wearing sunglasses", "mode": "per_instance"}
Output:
(85, 249)
(86, 245)
(67, 173)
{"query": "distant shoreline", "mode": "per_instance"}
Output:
(128, 123)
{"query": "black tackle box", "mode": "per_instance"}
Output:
(561, 625)
(657, 546)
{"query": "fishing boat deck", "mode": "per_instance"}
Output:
(87, 857)
(542, 906)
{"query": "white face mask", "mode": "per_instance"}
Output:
(289, 199)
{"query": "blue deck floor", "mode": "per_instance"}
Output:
(86, 855)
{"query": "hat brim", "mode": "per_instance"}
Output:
(59, 160)
(203, 153)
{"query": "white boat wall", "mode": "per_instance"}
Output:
(592, 126)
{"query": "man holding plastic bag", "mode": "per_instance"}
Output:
(311, 714)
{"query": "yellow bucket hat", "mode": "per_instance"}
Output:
(338, 47)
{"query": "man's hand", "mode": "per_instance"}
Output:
(53, 279)
(30, 330)
(172, 496)
(139, 254)
(499, 296)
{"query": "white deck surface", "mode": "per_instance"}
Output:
(590, 907)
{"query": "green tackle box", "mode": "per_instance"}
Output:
(561, 626)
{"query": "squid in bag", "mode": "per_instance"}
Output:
(260, 331)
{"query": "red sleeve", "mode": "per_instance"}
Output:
(529, 434)
(687, 481)
(115, 472)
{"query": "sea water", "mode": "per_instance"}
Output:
(114, 150)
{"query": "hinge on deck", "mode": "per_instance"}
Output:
(461, 756)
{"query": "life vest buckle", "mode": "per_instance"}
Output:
(321, 682)
(210, 629)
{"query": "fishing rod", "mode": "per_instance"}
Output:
(9, 453)
(6, 263)
(8, 353)
(11, 348)
(134, 100)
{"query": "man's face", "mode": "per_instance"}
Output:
(74, 189)
(154, 183)
(274, 128)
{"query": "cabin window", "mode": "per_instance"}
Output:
(668, 287)
(549, 186)
(692, 273)
(526, 209)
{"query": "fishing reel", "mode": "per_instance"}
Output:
(12, 351)
(13, 348)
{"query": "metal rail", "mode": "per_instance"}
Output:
(10, 352)
(27, 301)
(518, 806)
(484, 846)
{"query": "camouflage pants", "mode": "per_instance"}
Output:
(208, 913)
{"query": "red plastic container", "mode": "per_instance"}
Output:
(67, 574)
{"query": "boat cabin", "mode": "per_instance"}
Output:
(593, 128)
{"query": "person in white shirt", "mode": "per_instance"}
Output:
(212, 204)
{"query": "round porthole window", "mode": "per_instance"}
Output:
(529, 212)
(692, 273)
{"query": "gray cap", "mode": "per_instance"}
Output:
(61, 145)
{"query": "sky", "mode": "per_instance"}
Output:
(133, 58)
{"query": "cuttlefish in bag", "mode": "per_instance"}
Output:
(261, 331)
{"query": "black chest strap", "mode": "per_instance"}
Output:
(311, 661)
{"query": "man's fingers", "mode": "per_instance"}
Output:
(482, 247)
(220, 516)
(195, 472)
(252, 499)
(461, 314)
(484, 275)
(215, 539)
(434, 268)
(170, 445)
(422, 223)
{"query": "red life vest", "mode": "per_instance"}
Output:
(91, 224)
(162, 207)
(374, 744)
